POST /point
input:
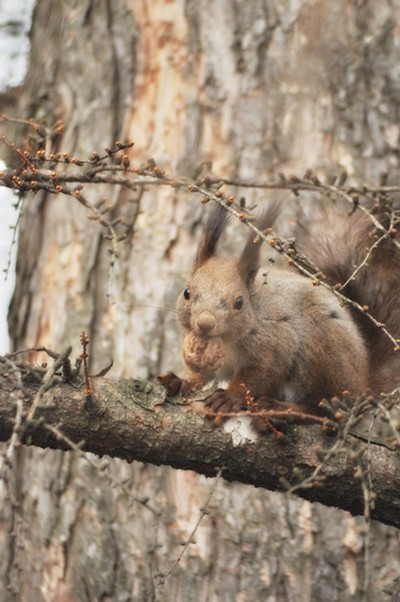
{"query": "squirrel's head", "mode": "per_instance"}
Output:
(217, 300)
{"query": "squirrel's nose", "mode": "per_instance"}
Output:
(205, 322)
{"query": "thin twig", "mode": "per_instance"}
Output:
(191, 539)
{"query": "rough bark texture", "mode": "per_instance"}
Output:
(134, 420)
(255, 87)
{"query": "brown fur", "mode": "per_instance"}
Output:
(278, 336)
(337, 243)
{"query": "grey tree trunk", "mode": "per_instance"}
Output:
(255, 88)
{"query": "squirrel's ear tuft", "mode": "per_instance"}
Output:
(249, 261)
(215, 223)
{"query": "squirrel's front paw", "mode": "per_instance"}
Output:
(174, 384)
(221, 405)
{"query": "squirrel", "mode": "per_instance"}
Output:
(275, 336)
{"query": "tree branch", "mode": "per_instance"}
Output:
(133, 420)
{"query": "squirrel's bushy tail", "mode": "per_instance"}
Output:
(351, 250)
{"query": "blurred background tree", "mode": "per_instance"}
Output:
(247, 89)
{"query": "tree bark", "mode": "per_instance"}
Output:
(134, 420)
(253, 88)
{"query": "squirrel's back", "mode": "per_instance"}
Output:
(325, 350)
(352, 250)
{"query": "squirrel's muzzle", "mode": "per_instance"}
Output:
(205, 323)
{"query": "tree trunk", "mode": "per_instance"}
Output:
(254, 88)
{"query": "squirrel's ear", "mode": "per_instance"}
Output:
(249, 261)
(215, 223)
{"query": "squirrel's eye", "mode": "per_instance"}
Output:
(238, 303)
(186, 294)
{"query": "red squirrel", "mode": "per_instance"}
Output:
(276, 337)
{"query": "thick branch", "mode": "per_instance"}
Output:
(132, 420)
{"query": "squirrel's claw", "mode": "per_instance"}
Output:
(174, 384)
(221, 405)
